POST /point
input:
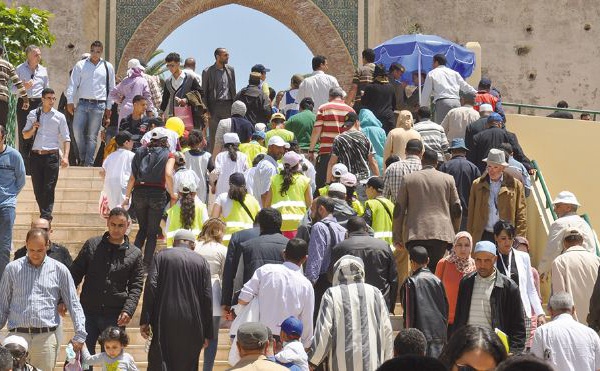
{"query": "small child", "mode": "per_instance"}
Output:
(114, 340)
(199, 160)
(292, 355)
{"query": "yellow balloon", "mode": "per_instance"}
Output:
(175, 124)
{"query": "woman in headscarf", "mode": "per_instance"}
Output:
(372, 128)
(395, 144)
(134, 84)
(380, 98)
(453, 268)
(522, 244)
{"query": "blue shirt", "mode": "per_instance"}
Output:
(39, 77)
(12, 176)
(53, 129)
(30, 296)
(88, 81)
(320, 245)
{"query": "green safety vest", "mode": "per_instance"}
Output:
(238, 219)
(358, 207)
(174, 221)
(381, 218)
(251, 150)
(292, 205)
(323, 190)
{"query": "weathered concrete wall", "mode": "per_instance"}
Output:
(75, 25)
(558, 56)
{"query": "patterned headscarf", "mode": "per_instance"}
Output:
(348, 269)
(464, 266)
(405, 120)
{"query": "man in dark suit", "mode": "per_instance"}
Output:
(218, 83)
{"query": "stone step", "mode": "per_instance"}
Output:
(80, 172)
(85, 182)
(62, 233)
(65, 219)
(25, 205)
(135, 337)
(64, 194)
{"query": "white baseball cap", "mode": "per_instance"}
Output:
(231, 138)
(486, 108)
(566, 197)
(339, 169)
(187, 186)
(278, 141)
(260, 126)
(337, 187)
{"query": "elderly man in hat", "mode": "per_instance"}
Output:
(496, 196)
(464, 173)
(18, 348)
(252, 343)
(490, 299)
(179, 309)
(565, 206)
(575, 271)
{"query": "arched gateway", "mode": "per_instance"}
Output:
(327, 27)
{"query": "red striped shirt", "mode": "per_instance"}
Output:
(330, 119)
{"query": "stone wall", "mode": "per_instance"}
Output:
(535, 51)
(75, 25)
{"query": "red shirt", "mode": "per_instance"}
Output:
(330, 119)
(484, 97)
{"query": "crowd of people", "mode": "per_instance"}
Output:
(303, 217)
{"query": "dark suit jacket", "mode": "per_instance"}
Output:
(234, 251)
(209, 84)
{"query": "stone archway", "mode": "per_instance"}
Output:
(303, 17)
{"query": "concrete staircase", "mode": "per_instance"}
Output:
(76, 219)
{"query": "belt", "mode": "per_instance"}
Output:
(439, 99)
(92, 100)
(43, 152)
(33, 330)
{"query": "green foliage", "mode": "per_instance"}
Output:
(156, 67)
(23, 26)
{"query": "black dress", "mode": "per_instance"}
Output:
(178, 307)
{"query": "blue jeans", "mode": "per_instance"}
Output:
(211, 350)
(111, 132)
(86, 125)
(7, 219)
(94, 325)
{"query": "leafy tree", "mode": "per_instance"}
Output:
(22, 26)
(158, 67)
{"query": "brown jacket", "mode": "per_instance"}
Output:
(511, 205)
(427, 207)
(257, 362)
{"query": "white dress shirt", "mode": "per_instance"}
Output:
(39, 77)
(282, 291)
(317, 87)
(88, 81)
(443, 82)
(567, 344)
(265, 169)
(117, 167)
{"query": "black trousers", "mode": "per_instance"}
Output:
(435, 248)
(44, 175)
(25, 144)
(3, 113)
(321, 169)
(320, 287)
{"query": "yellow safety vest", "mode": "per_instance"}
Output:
(381, 219)
(358, 207)
(324, 190)
(251, 150)
(174, 221)
(292, 205)
(238, 219)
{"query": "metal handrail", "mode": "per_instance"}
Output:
(520, 106)
(539, 176)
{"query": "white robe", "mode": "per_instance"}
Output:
(118, 170)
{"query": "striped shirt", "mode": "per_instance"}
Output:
(30, 296)
(155, 89)
(362, 77)
(7, 72)
(331, 121)
(433, 137)
(353, 328)
(392, 179)
(353, 149)
(481, 310)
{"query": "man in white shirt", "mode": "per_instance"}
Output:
(318, 84)
(267, 167)
(565, 205)
(283, 291)
(189, 66)
(445, 85)
(575, 271)
(565, 343)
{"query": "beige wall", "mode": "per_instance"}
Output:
(562, 55)
(567, 153)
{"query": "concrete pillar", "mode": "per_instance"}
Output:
(473, 80)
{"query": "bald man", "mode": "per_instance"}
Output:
(55, 251)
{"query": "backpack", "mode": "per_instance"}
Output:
(149, 165)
